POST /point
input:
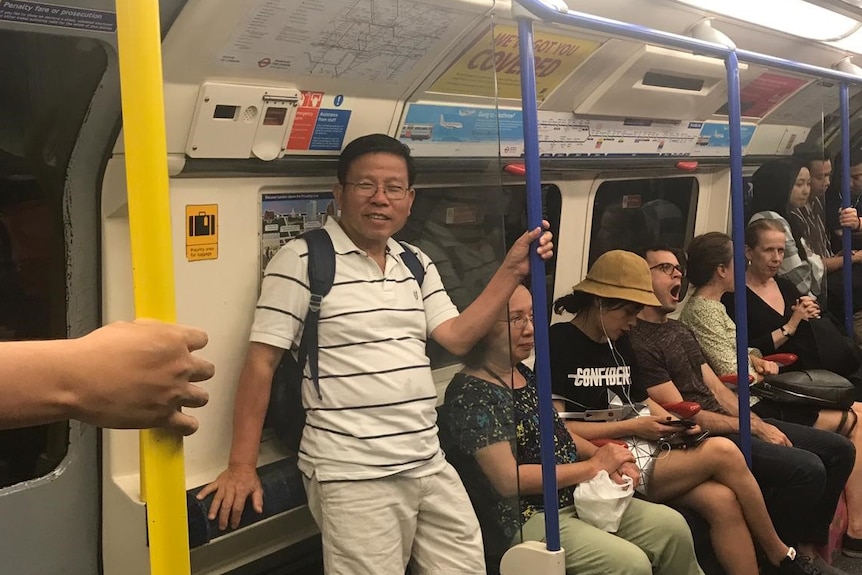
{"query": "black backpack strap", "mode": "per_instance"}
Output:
(321, 275)
(413, 264)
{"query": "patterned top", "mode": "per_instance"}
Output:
(716, 334)
(812, 219)
(478, 413)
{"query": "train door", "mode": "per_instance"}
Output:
(59, 113)
(49, 497)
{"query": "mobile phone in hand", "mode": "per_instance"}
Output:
(685, 423)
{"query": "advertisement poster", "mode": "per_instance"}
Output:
(714, 139)
(444, 130)
(473, 73)
(285, 216)
(764, 93)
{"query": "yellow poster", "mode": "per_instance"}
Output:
(202, 232)
(472, 74)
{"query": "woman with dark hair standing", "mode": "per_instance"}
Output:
(779, 187)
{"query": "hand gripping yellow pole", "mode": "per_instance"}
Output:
(162, 472)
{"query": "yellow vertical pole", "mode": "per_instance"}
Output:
(162, 470)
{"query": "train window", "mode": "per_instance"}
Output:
(633, 214)
(466, 231)
(48, 83)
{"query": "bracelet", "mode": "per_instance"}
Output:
(785, 332)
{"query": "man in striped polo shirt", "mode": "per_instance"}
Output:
(377, 482)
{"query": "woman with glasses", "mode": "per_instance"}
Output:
(596, 380)
(710, 265)
(490, 432)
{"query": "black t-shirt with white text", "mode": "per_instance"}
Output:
(583, 371)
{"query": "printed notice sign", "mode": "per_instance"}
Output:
(316, 128)
(202, 232)
(473, 73)
(59, 16)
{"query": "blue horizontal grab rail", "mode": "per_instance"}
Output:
(635, 32)
(526, 11)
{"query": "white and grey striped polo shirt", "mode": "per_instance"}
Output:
(377, 413)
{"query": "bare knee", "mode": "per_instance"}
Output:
(722, 452)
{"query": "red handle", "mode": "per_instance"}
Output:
(684, 409)
(782, 359)
(731, 379)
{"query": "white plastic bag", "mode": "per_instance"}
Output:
(601, 502)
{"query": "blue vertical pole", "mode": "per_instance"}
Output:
(537, 284)
(737, 205)
(847, 236)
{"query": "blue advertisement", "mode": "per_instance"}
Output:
(435, 123)
(717, 135)
(56, 15)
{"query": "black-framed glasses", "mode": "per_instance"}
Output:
(520, 321)
(668, 268)
(368, 189)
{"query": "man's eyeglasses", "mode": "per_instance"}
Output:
(368, 189)
(520, 321)
(668, 268)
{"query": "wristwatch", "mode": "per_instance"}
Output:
(785, 332)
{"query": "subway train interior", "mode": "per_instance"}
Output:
(260, 97)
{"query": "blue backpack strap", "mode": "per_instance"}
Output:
(321, 275)
(413, 264)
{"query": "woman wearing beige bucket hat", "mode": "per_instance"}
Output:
(595, 382)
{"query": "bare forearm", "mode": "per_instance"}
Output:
(717, 422)
(461, 333)
(38, 382)
(833, 263)
(602, 430)
(250, 404)
(568, 474)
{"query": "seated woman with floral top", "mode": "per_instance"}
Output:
(490, 430)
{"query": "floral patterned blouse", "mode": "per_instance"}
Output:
(478, 413)
(716, 334)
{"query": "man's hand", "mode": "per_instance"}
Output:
(769, 433)
(848, 218)
(232, 488)
(138, 375)
(518, 260)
